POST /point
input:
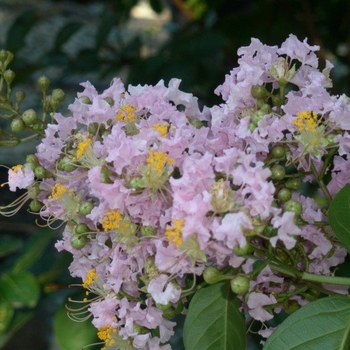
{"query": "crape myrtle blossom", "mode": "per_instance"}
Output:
(153, 191)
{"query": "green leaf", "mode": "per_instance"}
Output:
(104, 28)
(20, 289)
(72, 335)
(9, 245)
(65, 33)
(34, 248)
(213, 320)
(338, 216)
(6, 315)
(323, 325)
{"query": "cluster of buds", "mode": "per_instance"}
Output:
(159, 198)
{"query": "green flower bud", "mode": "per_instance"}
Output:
(81, 228)
(31, 158)
(278, 172)
(30, 166)
(9, 75)
(291, 306)
(284, 195)
(78, 241)
(86, 207)
(330, 140)
(43, 83)
(242, 251)
(85, 100)
(163, 307)
(293, 206)
(278, 152)
(169, 314)
(258, 91)
(29, 117)
(294, 184)
(54, 103)
(277, 100)
(20, 96)
(252, 127)
(40, 172)
(35, 205)
(212, 275)
(256, 117)
(265, 108)
(240, 284)
(269, 231)
(109, 100)
(196, 123)
(65, 164)
(58, 94)
(17, 125)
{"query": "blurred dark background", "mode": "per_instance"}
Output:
(142, 42)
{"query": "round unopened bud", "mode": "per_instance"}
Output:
(109, 100)
(58, 94)
(54, 103)
(20, 96)
(294, 184)
(284, 195)
(212, 275)
(278, 172)
(29, 117)
(32, 158)
(78, 241)
(291, 306)
(277, 100)
(40, 172)
(35, 205)
(169, 314)
(265, 108)
(43, 83)
(240, 284)
(9, 75)
(86, 207)
(256, 117)
(258, 91)
(17, 125)
(293, 206)
(65, 164)
(278, 152)
(81, 228)
(85, 100)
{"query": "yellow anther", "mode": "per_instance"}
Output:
(126, 114)
(17, 167)
(90, 279)
(58, 191)
(111, 220)
(306, 121)
(83, 148)
(156, 161)
(161, 128)
(174, 232)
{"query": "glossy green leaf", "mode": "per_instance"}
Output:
(323, 325)
(338, 215)
(213, 320)
(6, 314)
(34, 248)
(72, 335)
(9, 245)
(67, 31)
(20, 289)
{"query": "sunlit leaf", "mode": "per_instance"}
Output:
(338, 215)
(323, 325)
(20, 289)
(213, 320)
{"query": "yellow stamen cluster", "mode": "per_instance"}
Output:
(126, 114)
(111, 220)
(16, 168)
(156, 162)
(90, 279)
(161, 128)
(83, 147)
(58, 191)
(174, 232)
(306, 121)
(105, 334)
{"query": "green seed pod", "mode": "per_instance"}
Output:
(278, 172)
(284, 195)
(240, 284)
(293, 206)
(31, 158)
(291, 306)
(35, 205)
(81, 228)
(169, 314)
(294, 184)
(78, 241)
(86, 207)
(277, 152)
(256, 117)
(258, 91)
(40, 172)
(43, 83)
(85, 100)
(29, 117)
(9, 75)
(265, 108)
(212, 275)
(58, 94)
(109, 100)
(17, 125)
(20, 96)
(30, 166)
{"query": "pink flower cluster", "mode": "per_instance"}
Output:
(153, 190)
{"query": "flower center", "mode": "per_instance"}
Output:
(174, 232)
